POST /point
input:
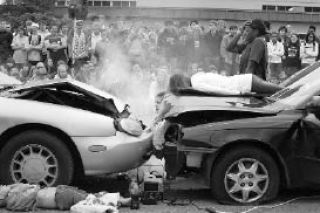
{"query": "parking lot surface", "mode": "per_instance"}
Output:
(197, 200)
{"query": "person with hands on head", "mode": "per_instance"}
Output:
(254, 51)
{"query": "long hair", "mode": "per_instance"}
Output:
(177, 82)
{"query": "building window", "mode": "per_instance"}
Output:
(97, 3)
(90, 3)
(106, 3)
(308, 9)
(116, 3)
(133, 4)
(268, 8)
(125, 4)
(284, 8)
(61, 3)
(312, 9)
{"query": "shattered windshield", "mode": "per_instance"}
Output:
(304, 83)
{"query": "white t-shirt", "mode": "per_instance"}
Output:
(225, 85)
(275, 51)
(20, 55)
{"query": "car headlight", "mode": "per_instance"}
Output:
(130, 126)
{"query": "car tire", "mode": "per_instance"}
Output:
(245, 175)
(36, 157)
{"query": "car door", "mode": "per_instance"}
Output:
(305, 140)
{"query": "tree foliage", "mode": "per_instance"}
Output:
(18, 14)
(41, 5)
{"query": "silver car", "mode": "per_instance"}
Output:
(54, 131)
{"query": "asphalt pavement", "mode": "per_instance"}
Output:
(185, 198)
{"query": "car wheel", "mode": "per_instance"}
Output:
(36, 157)
(245, 175)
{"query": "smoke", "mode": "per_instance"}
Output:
(127, 79)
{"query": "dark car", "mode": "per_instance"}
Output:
(247, 148)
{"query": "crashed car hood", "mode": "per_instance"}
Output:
(181, 104)
(66, 83)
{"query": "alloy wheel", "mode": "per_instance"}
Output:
(34, 164)
(246, 180)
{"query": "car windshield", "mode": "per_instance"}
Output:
(299, 87)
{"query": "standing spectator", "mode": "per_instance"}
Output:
(212, 45)
(283, 38)
(35, 46)
(167, 41)
(197, 43)
(184, 47)
(313, 29)
(254, 58)
(19, 45)
(56, 49)
(309, 50)
(43, 32)
(64, 30)
(268, 28)
(292, 56)
(136, 50)
(221, 27)
(229, 58)
(103, 47)
(6, 38)
(275, 53)
(79, 44)
(95, 37)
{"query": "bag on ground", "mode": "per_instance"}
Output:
(22, 197)
(46, 198)
(92, 204)
(67, 196)
(4, 190)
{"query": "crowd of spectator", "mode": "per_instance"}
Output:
(85, 52)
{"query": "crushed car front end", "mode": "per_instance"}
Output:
(108, 138)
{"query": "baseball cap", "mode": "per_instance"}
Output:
(257, 24)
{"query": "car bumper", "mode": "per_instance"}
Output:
(119, 153)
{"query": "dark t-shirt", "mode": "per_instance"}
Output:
(212, 44)
(255, 51)
(58, 54)
(292, 53)
(5, 43)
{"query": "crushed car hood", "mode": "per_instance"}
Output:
(182, 104)
(71, 85)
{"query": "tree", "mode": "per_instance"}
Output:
(42, 5)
